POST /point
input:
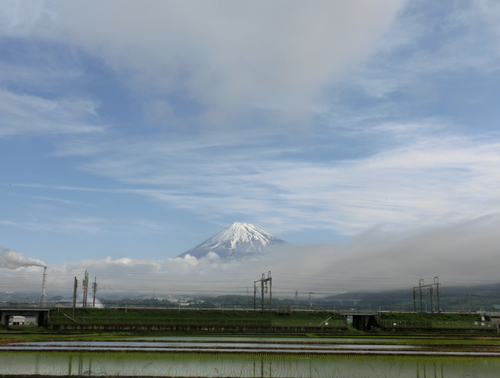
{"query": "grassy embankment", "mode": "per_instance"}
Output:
(160, 317)
(390, 322)
(195, 317)
(428, 324)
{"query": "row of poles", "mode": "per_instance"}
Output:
(85, 286)
(419, 288)
(266, 285)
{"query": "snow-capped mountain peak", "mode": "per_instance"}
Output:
(239, 233)
(236, 241)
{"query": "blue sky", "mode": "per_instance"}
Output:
(139, 129)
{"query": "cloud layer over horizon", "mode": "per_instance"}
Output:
(378, 260)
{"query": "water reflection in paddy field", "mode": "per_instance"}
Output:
(243, 365)
(193, 345)
(258, 345)
(251, 339)
(321, 340)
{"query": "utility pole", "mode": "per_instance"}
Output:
(85, 289)
(262, 281)
(255, 290)
(296, 298)
(414, 301)
(94, 289)
(420, 283)
(436, 282)
(270, 279)
(431, 293)
(74, 296)
(310, 303)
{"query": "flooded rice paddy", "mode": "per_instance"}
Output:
(245, 357)
(242, 365)
(200, 346)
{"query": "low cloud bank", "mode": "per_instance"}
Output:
(461, 254)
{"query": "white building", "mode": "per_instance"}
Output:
(22, 320)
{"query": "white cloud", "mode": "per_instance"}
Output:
(26, 114)
(36, 74)
(423, 179)
(86, 225)
(18, 18)
(430, 41)
(223, 55)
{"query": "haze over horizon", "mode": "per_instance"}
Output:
(364, 133)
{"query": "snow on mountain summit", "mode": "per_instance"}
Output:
(239, 233)
(236, 241)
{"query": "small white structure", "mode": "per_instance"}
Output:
(22, 320)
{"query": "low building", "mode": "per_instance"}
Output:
(22, 320)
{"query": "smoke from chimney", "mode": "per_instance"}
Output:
(13, 260)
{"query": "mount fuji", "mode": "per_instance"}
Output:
(239, 240)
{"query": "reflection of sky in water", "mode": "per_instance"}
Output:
(243, 365)
(272, 339)
(173, 345)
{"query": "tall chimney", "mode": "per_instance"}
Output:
(43, 295)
